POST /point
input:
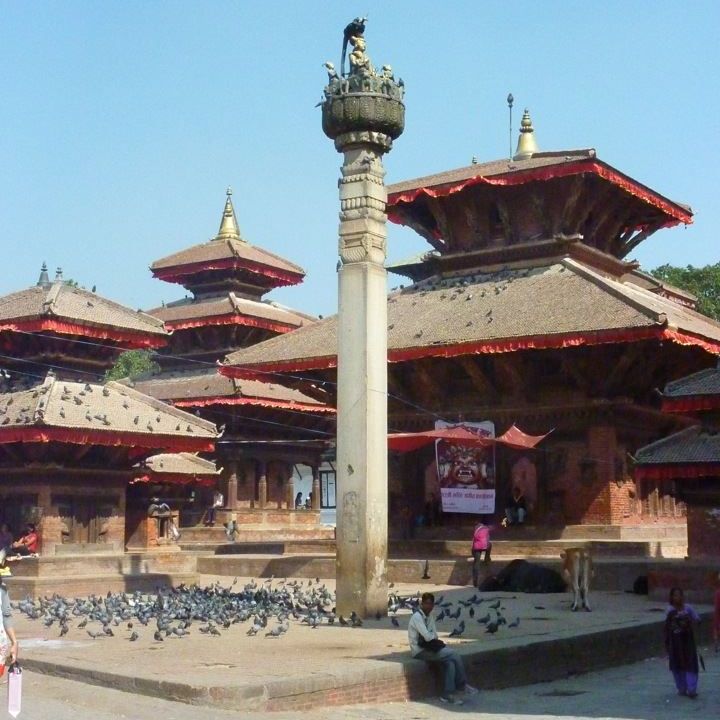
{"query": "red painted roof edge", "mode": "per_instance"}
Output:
(675, 212)
(131, 340)
(263, 402)
(260, 371)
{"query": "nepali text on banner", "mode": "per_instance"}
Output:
(461, 500)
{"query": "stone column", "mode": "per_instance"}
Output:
(232, 490)
(289, 488)
(362, 112)
(262, 485)
(316, 498)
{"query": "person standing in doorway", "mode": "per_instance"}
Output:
(217, 502)
(516, 508)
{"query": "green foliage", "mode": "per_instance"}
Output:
(703, 282)
(131, 364)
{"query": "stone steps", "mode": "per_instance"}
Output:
(609, 573)
(655, 532)
(120, 564)
(256, 533)
(542, 548)
(89, 584)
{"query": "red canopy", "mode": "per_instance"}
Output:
(460, 434)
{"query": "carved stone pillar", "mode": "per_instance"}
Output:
(262, 485)
(362, 112)
(289, 488)
(316, 498)
(232, 489)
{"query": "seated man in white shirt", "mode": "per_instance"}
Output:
(425, 645)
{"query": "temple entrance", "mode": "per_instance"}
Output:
(84, 519)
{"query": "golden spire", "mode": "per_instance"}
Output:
(526, 146)
(228, 225)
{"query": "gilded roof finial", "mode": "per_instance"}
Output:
(526, 146)
(228, 225)
(44, 279)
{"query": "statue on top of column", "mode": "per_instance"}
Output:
(363, 103)
(353, 30)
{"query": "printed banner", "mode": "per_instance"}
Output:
(466, 474)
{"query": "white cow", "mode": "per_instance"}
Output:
(577, 570)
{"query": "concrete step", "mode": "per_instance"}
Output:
(530, 548)
(609, 573)
(669, 531)
(84, 585)
(257, 533)
(58, 566)
(287, 547)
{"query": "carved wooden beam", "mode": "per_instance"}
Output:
(599, 212)
(426, 384)
(541, 212)
(506, 220)
(629, 244)
(617, 377)
(81, 451)
(509, 371)
(439, 213)
(563, 225)
(480, 380)
(397, 373)
(576, 370)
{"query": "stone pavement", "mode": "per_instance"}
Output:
(334, 665)
(642, 691)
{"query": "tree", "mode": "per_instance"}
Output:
(703, 282)
(131, 364)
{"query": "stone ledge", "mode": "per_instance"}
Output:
(401, 677)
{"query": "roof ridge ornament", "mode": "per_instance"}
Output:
(44, 279)
(228, 225)
(527, 145)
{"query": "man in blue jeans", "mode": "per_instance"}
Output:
(425, 645)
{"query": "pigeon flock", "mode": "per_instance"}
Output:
(267, 608)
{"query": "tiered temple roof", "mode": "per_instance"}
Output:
(227, 278)
(226, 255)
(695, 451)
(204, 388)
(65, 310)
(556, 303)
(177, 468)
(93, 414)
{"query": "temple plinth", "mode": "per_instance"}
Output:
(362, 112)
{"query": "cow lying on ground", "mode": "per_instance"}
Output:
(577, 569)
(522, 576)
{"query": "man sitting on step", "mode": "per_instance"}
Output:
(425, 645)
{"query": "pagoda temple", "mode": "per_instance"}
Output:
(69, 444)
(685, 467)
(524, 309)
(227, 278)
(269, 430)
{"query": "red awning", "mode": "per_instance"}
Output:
(513, 437)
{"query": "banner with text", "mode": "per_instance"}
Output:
(466, 473)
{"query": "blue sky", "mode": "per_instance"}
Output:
(123, 122)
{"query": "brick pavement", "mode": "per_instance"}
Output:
(335, 665)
